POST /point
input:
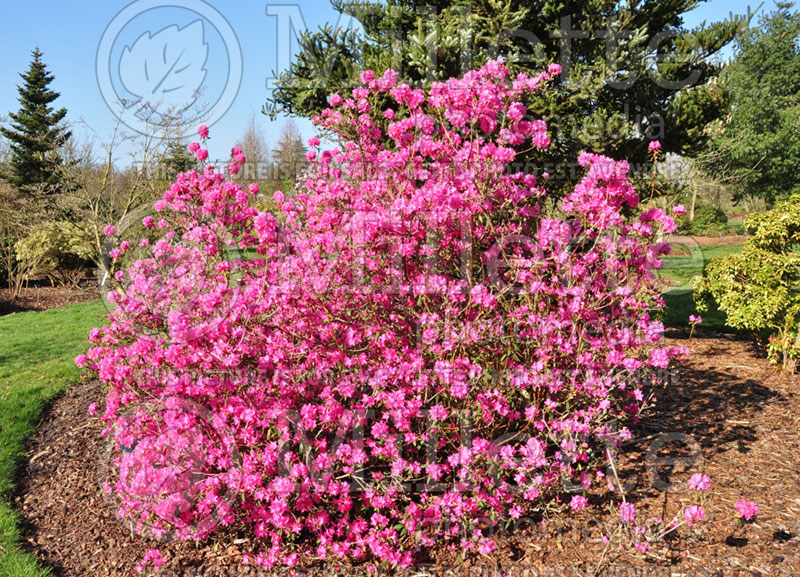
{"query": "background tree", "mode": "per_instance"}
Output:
(36, 133)
(757, 144)
(255, 147)
(632, 71)
(177, 159)
(119, 185)
(288, 158)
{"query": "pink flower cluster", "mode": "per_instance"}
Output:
(699, 482)
(747, 510)
(407, 352)
(153, 556)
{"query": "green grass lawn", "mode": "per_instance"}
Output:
(37, 352)
(688, 261)
(680, 268)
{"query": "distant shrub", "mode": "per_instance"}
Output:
(58, 250)
(708, 221)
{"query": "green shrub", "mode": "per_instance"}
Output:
(59, 250)
(708, 221)
(759, 289)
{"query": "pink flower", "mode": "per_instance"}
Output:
(202, 131)
(124, 245)
(695, 319)
(693, 514)
(578, 502)
(642, 546)
(153, 555)
(201, 154)
(110, 230)
(313, 141)
(679, 210)
(367, 76)
(194, 147)
(147, 221)
(699, 482)
(627, 512)
(654, 145)
(92, 409)
(438, 413)
(747, 509)
(253, 188)
(81, 360)
(486, 546)
(114, 253)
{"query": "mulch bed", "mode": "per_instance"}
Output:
(707, 240)
(41, 298)
(726, 413)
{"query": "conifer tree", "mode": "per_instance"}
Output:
(289, 157)
(633, 72)
(36, 133)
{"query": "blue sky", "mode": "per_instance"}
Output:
(72, 34)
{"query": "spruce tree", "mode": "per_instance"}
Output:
(36, 133)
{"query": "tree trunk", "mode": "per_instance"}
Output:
(694, 200)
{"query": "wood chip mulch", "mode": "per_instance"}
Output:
(42, 298)
(726, 413)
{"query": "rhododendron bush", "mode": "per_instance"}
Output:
(406, 352)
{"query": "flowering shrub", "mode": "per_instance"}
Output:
(408, 352)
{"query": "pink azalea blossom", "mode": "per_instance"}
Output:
(747, 509)
(693, 514)
(153, 556)
(578, 502)
(627, 512)
(699, 482)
